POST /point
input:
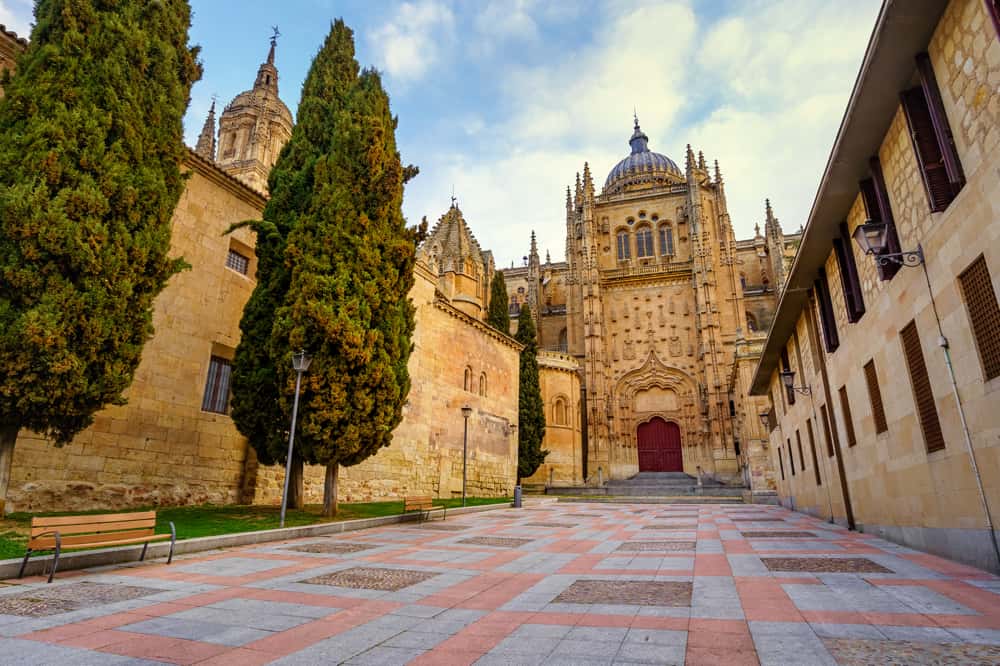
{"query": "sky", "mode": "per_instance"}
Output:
(502, 101)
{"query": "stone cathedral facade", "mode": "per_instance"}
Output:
(652, 326)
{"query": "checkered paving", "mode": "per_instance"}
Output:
(609, 584)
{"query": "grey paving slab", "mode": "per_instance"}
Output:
(785, 643)
(196, 630)
(649, 653)
(16, 652)
(234, 566)
(386, 656)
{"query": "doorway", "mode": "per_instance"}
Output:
(659, 444)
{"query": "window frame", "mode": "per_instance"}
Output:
(812, 450)
(984, 318)
(666, 238)
(850, 281)
(644, 248)
(624, 244)
(875, 398)
(219, 376)
(828, 322)
(845, 406)
(923, 391)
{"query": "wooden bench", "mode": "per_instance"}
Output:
(425, 505)
(107, 529)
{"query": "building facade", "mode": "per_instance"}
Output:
(892, 425)
(660, 313)
(174, 442)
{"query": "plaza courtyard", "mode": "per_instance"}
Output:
(554, 583)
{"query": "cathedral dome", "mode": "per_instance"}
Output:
(642, 166)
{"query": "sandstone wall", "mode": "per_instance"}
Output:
(560, 383)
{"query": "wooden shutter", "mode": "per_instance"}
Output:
(993, 9)
(812, 450)
(848, 420)
(849, 279)
(790, 392)
(875, 397)
(925, 145)
(981, 303)
(781, 464)
(942, 130)
(826, 430)
(923, 396)
(881, 194)
(802, 458)
(791, 458)
(826, 318)
(772, 421)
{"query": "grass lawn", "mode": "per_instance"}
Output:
(210, 520)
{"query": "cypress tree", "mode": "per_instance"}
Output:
(91, 145)
(530, 410)
(263, 382)
(498, 316)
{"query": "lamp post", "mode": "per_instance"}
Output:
(300, 363)
(466, 413)
(788, 379)
(872, 238)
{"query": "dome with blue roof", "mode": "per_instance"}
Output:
(642, 166)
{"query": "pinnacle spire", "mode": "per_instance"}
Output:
(206, 140)
(718, 174)
(274, 42)
(701, 160)
(267, 75)
(689, 158)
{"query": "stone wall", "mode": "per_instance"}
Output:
(560, 383)
(161, 448)
(425, 457)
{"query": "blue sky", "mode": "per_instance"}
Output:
(506, 99)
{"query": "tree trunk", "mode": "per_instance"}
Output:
(330, 490)
(296, 484)
(8, 437)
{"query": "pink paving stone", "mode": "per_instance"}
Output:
(712, 564)
(714, 656)
(239, 657)
(170, 650)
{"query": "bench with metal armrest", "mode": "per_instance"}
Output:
(425, 505)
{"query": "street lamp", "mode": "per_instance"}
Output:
(788, 379)
(466, 413)
(765, 419)
(300, 363)
(872, 238)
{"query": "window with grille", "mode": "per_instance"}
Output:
(849, 279)
(237, 262)
(666, 241)
(812, 450)
(216, 399)
(828, 323)
(791, 458)
(875, 396)
(923, 396)
(848, 420)
(798, 443)
(981, 303)
(644, 243)
(826, 430)
(624, 247)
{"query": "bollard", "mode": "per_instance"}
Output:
(517, 497)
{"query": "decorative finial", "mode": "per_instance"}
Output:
(718, 173)
(274, 42)
(756, 229)
(453, 199)
(548, 257)
(701, 160)
(635, 116)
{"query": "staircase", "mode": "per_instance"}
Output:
(666, 487)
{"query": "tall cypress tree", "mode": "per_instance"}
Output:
(262, 389)
(498, 315)
(530, 409)
(91, 145)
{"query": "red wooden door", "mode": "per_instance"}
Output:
(660, 447)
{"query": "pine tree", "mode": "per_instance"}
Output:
(91, 146)
(530, 410)
(498, 315)
(263, 382)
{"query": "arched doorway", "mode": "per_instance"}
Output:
(659, 444)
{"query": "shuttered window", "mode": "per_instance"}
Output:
(881, 204)
(772, 422)
(923, 396)
(216, 397)
(812, 450)
(845, 405)
(828, 323)
(981, 303)
(781, 464)
(993, 9)
(875, 397)
(789, 391)
(798, 443)
(791, 458)
(826, 430)
(849, 279)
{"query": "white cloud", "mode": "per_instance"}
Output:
(500, 21)
(411, 42)
(16, 15)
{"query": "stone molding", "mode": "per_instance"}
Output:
(234, 185)
(442, 304)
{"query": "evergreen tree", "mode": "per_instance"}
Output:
(530, 410)
(263, 381)
(498, 316)
(91, 145)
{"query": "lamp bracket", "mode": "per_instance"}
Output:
(912, 258)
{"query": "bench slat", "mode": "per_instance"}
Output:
(85, 528)
(57, 521)
(48, 543)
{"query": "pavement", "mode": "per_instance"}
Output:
(552, 584)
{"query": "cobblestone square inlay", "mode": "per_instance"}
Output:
(549, 525)
(627, 592)
(372, 578)
(496, 542)
(66, 598)
(824, 564)
(776, 534)
(859, 652)
(332, 548)
(655, 546)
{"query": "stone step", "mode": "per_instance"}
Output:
(647, 491)
(698, 499)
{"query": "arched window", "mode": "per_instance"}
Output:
(624, 247)
(666, 241)
(644, 242)
(482, 384)
(468, 379)
(559, 412)
(743, 280)
(563, 342)
(751, 323)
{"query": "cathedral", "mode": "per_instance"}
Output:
(651, 327)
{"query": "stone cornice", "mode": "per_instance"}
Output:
(238, 188)
(443, 305)
(558, 361)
